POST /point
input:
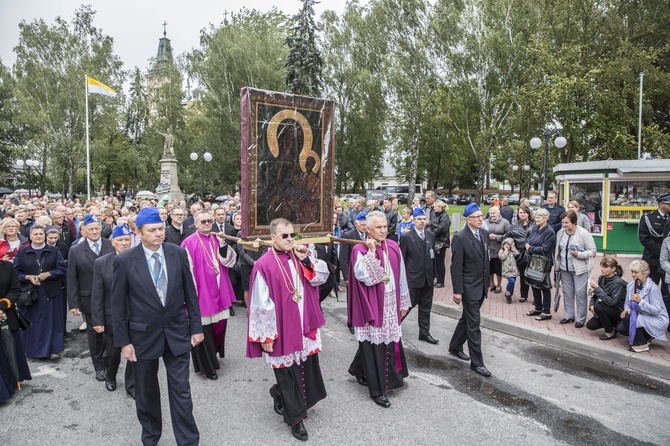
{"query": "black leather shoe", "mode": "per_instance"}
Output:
(579, 324)
(232, 311)
(481, 370)
(459, 355)
(428, 338)
(100, 375)
(276, 405)
(110, 385)
(131, 393)
(361, 380)
(439, 285)
(566, 321)
(351, 329)
(533, 313)
(381, 400)
(299, 431)
(212, 375)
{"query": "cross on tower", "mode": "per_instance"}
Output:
(164, 28)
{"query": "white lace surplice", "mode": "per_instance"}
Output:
(368, 270)
(263, 321)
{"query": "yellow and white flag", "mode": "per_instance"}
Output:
(98, 87)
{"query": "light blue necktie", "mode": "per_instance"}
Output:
(161, 286)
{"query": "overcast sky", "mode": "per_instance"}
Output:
(136, 25)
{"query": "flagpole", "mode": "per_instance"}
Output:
(88, 152)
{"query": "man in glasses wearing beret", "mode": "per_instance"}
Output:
(210, 258)
(284, 322)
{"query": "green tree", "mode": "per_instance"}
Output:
(304, 64)
(353, 79)
(51, 64)
(11, 134)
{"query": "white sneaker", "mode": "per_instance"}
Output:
(83, 327)
(640, 348)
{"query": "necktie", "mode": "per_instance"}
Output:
(161, 285)
(96, 249)
(477, 236)
(423, 237)
(362, 234)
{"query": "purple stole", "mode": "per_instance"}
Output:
(365, 304)
(211, 298)
(289, 337)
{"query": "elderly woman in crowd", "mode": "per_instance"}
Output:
(13, 364)
(497, 227)
(12, 238)
(575, 250)
(644, 317)
(519, 231)
(440, 224)
(582, 219)
(542, 241)
(42, 266)
(609, 295)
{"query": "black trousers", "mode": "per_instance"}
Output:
(300, 387)
(659, 278)
(468, 330)
(641, 335)
(423, 297)
(96, 344)
(112, 359)
(204, 354)
(440, 264)
(148, 399)
(607, 318)
(378, 364)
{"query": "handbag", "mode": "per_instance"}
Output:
(28, 295)
(538, 267)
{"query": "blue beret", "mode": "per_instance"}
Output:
(147, 216)
(88, 219)
(361, 216)
(470, 209)
(120, 231)
(664, 198)
(418, 212)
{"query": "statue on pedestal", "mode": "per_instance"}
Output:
(168, 145)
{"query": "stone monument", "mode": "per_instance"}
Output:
(169, 183)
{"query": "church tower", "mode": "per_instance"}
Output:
(158, 73)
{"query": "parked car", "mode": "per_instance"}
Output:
(513, 198)
(451, 199)
(490, 197)
(344, 197)
(464, 199)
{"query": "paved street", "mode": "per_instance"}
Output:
(538, 395)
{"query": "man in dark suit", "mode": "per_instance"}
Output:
(220, 222)
(651, 231)
(470, 280)
(358, 233)
(418, 251)
(80, 285)
(101, 309)
(177, 231)
(152, 285)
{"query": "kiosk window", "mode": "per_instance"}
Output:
(589, 196)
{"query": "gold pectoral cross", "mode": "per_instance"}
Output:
(386, 279)
(297, 297)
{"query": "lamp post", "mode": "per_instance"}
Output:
(526, 175)
(206, 156)
(28, 163)
(535, 143)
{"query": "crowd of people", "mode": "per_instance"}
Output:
(129, 269)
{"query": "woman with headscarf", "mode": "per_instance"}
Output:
(13, 365)
(42, 266)
(644, 317)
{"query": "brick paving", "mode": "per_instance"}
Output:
(495, 305)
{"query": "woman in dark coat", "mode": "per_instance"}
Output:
(520, 231)
(440, 224)
(43, 266)
(542, 241)
(11, 362)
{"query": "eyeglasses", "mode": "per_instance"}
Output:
(206, 222)
(285, 236)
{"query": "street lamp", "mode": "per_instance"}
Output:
(28, 163)
(206, 156)
(535, 143)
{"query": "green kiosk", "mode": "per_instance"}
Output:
(614, 194)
